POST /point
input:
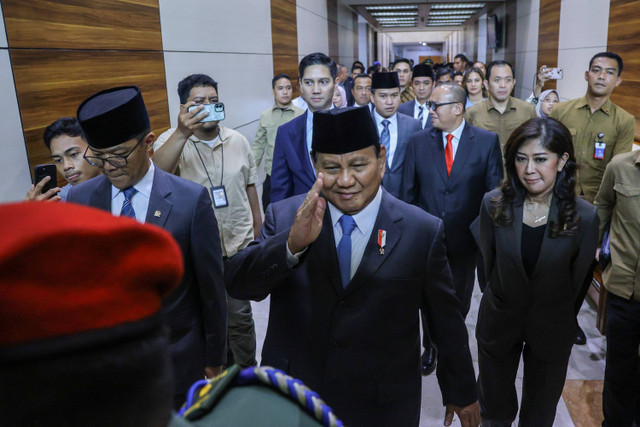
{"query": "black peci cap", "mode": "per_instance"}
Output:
(343, 130)
(385, 81)
(113, 116)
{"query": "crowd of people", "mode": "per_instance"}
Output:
(387, 193)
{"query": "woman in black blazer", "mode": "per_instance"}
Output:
(537, 240)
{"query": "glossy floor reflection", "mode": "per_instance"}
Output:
(581, 405)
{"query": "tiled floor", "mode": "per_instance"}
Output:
(581, 404)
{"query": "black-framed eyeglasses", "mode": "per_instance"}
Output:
(434, 105)
(117, 161)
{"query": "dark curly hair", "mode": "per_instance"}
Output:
(555, 137)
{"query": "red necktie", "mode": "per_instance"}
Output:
(448, 154)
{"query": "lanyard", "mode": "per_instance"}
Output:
(205, 166)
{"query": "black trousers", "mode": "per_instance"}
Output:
(266, 192)
(463, 272)
(542, 386)
(621, 394)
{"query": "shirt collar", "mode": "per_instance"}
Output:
(457, 132)
(417, 104)
(510, 105)
(393, 119)
(223, 135)
(143, 186)
(287, 108)
(365, 219)
(606, 107)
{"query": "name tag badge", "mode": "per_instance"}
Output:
(219, 197)
(599, 150)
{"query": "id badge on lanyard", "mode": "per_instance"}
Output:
(219, 197)
(599, 147)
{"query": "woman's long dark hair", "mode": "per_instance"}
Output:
(555, 137)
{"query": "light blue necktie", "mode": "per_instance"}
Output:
(421, 115)
(385, 136)
(127, 207)
(344, 248)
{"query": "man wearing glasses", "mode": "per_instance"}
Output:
(116, 125)
(448, 168)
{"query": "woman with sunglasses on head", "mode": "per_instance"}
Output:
(537, 240)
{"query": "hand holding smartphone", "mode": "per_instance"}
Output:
(216, 112)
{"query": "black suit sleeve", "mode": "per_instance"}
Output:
(486, 241)
(410, 183)
(281, 179)
(586, 249)
(206, 255)
(259, 268)
(495, 167)
(447, 328)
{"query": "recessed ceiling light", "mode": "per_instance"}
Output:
(394, 13)
(458, 6)
(451, 12)
(399, 7)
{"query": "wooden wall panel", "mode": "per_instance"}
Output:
(623, 36)
(284, 38)
(81, 24)
(52, 83)
(548, 35)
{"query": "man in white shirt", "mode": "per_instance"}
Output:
(116, 124)
(422, 81)
(394, 129)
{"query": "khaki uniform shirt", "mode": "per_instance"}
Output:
(618, 128)
(618, 201)
(235, 222)
(270, 120)
(407, 94)
(484, 115)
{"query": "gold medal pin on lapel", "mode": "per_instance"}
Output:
(157, 214)
(382, 240)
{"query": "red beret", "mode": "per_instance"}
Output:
(66, 269)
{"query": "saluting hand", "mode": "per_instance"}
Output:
(469, 415)
(308, 223)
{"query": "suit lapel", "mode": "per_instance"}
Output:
(437, 151)
(462, 153)
(516, 239)
(399, 143)
(300, 147)
(549, 246)
(101, 196)
(325, 249)
(159, 206)
(388, 216)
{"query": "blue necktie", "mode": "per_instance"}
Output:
(344, 248)
(127, 207)
(420, 115)
(385, 137)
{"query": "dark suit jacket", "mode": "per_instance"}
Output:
(407, 108)
(539, 309)
(477, 168)
(196, 311)
(394, 175)
(292, 172)
(359, 347)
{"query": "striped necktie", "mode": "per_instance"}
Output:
(127, 207)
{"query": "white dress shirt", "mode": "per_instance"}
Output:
(416, 112)
(457, 133)
(365, 220)
(140, 200)
(393, 133)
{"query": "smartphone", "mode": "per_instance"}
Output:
(216, 112)
(555, 74)
(40, 171)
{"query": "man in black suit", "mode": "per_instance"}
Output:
(116, 125)
(422, 81)
(347, 273)
(394, 129)
(447, 171)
